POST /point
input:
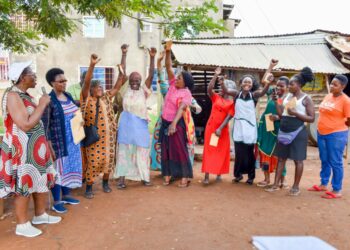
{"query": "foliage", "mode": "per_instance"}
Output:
(52, 19)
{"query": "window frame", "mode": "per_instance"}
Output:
(147, 24)
(104, 84)
(85, 28)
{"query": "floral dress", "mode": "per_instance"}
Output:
(25, 166)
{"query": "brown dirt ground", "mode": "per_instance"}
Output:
(220, 216)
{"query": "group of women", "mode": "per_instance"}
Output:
(286, 138)
(39, 152)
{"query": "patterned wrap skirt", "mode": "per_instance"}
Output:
(175, 158)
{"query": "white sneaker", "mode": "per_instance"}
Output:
(27, 230)
(46, 219)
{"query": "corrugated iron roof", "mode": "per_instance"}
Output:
(308, 38)
(298, 35)
(257, 56)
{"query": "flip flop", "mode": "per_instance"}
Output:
(262, 184)
(294, 192)
(272, 189)
(316, 188)
(330, 195)
(205, 182)
(284, 186)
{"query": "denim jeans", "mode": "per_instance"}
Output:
(331, 148)
(56, 192)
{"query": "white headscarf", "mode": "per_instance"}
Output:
(16, 69)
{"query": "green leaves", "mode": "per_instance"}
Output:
(51, 19)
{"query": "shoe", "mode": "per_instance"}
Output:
(59, 208)
(88, 192)
(45, 219)
(249, 182)
(70, 200)
(147, 183)
(106, 187)
(27, 230)
(237, 179)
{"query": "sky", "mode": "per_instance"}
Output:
(268, 17)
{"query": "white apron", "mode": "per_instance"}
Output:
(245, 129)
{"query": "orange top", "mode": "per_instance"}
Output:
(333, 113)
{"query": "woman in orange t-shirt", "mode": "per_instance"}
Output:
(332, 137)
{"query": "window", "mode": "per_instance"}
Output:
(21, 22)
(190, 34)
(147, 27)
(4, 68)
(93, 27)
(102, 74)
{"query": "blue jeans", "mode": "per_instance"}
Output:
(56, 192)
(331, 148)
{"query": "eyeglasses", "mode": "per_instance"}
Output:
(30, 74)
(62, 81)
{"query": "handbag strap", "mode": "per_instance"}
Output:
(97, 110)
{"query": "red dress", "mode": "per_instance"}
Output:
(216, 160)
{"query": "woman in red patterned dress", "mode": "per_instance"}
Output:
(25, 167)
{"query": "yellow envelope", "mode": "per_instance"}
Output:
(77, 125)
(270, 126)
(214, 139)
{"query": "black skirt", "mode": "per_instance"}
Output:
(297, 149)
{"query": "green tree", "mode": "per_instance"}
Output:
(50, 18)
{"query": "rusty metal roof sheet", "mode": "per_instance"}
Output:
(292, 57)
(341, 43)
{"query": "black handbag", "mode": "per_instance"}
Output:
(91, 132)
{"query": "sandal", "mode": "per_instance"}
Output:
(121, 186)
(284, 186)
(262, 184)
(316, 188)
(294, 192)
(218, 178)
(184, 185)
(331, 195)
(89, 195)
(272, 189)
(167, 183)
(206, 182)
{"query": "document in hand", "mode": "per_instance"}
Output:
(77, 124)
(291, 104)
(269, 124)
(214, 139)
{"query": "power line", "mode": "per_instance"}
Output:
(245, 20)
(266, 17)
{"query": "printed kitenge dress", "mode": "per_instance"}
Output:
(25, 165)
(69, 168)
(100, 156)
(133, 137)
